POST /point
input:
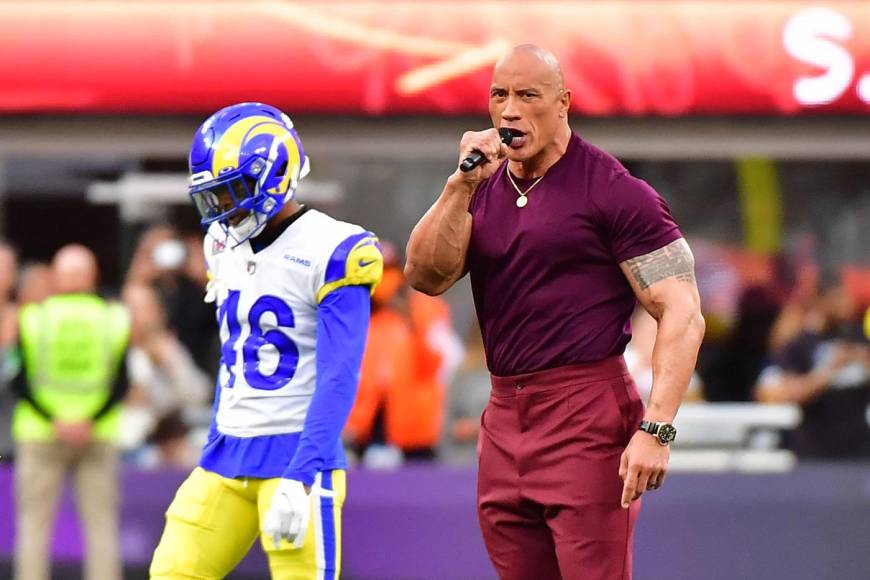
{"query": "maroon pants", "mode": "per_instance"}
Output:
(548, 490)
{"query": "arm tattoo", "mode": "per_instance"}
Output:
(672, 261)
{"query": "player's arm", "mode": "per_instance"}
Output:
(438, 244)
(664, 282)
(354, 270)
(343, 311)
(342, 325)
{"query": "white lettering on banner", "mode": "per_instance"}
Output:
(810, 36)
(864, 88)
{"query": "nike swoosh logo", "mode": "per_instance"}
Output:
(364, 263)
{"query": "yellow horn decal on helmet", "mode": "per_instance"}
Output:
(293, 161)
(228, 148)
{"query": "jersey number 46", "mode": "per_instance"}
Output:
(288, 353)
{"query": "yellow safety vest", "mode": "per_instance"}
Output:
(72, 346)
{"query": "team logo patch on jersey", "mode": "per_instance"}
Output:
(217, 247)
(252, 267)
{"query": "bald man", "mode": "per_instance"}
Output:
(560, 242)
(72, 345)
(74, 269)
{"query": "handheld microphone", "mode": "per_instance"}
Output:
(475, 158)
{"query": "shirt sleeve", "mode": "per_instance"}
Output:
(342, 326)
(356, 261)
(634, 218)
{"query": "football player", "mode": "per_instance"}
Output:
(291, 287)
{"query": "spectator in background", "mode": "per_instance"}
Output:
(67, 417)
(175, 266)
(732, 373)
(8, 356)
(411, 355)
(797, 280)
(825, 369)
(468, 396)
(8, 277)
(34, 286)
(164, 383)
(387, 367)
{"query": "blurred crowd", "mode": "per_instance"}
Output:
(171, 347)
(799, 338)
(794, 338)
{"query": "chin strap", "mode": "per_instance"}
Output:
(248, 228)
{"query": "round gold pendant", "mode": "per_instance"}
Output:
(522, 201)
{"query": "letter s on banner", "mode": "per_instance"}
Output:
(806, 36)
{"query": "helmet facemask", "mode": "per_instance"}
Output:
(234, 200)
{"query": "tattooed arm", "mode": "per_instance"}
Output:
(664, 282)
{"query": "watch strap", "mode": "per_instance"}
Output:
(650, 427)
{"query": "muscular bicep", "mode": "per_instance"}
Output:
(437, 250)
(663, 278)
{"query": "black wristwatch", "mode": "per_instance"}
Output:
(663, 432)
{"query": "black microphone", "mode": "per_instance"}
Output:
(476, 157)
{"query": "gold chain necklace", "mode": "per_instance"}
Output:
(522, 200)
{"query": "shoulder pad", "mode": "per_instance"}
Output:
(357, 261)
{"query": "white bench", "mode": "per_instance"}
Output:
(718, 437)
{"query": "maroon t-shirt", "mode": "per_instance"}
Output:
(546, 279)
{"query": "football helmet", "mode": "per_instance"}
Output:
(246, 161)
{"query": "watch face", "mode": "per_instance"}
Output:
(667, 433)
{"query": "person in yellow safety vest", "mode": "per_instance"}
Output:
(67, 417)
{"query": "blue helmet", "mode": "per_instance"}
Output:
(246, 161)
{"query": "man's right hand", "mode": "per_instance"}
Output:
(438, 245)
(487, 142)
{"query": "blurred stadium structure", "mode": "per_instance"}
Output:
(751, 118)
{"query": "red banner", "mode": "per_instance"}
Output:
(391, 57)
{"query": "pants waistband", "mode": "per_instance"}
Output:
(559, 377)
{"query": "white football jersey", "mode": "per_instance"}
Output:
(267, 315)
